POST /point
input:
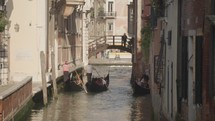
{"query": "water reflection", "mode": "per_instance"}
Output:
(116, 104)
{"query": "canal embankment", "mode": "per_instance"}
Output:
(112, 61)
(17, 98)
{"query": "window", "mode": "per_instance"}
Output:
(213, 52)
(213, 61)
(2, 2)
(130, 19)
(169, 37)
(110, 6)
(110, 26)
(198, 82)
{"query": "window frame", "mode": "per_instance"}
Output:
(110, 26)
(110, 6)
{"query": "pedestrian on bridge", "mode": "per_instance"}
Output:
(130, 43)
(124, 40)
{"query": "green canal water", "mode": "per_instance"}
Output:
(116, 104)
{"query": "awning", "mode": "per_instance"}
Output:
(68, 10)
(75, 2)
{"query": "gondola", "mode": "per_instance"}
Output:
(98, 84)
(74, 83)
(140, 88)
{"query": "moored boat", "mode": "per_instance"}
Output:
(74, 83)
(139, 88)
(98, 84)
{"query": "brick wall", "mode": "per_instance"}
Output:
(205, 85)
(192, 18)
(146, 11)
(208, 106)
(14, 100)
(192, 15)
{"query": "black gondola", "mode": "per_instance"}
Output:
(140, 88)
(98, 84)
(74, 83)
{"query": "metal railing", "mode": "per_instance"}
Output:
(110, 41)
(159, 62)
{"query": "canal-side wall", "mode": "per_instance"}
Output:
(108, 62)
(17, 97)
(37, 96)
(14, 98)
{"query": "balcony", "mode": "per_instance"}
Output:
(108, 15)
(75, 2)
(70, 6)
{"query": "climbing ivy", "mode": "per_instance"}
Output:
(146, 38)
(3, 21)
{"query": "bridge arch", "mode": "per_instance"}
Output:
(108, 42)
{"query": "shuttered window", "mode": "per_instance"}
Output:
(169, 38)
(213, 53)
(198, 83)
(213, 63)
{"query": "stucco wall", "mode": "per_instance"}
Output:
(170, 98)
(26, 44)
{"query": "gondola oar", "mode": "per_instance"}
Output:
(81, 81)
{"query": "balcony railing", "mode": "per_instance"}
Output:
(75, 2)
(108, 15)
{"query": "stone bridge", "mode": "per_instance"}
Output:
(108, 42)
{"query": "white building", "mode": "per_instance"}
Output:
(28, 31)
(169, 98)
(44, 26)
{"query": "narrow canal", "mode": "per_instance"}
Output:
(116, 104)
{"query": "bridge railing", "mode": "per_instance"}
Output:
(109, 39)
(114, 39)
(98, 42)
(101, 43)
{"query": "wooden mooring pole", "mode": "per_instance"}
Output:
(44, 85)
(54, 75)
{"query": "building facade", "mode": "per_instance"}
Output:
(183, 87)
(51, 27)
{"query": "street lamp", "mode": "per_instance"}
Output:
(16, 27)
